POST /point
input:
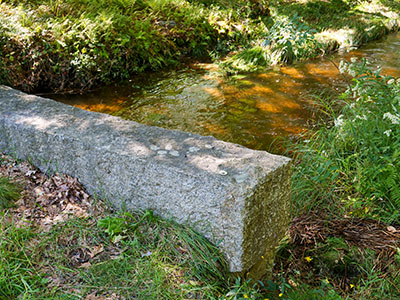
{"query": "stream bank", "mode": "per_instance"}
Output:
(73, 46)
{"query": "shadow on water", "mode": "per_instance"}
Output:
(253, 110)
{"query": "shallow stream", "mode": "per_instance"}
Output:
(254, 110)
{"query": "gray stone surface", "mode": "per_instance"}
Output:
(236, 197)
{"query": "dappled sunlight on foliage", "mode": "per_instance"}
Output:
(75, 45)
(72, 46)
(58, 242)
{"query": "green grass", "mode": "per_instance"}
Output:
(9, 193)
(17, 273)
(350, 168)
(152, 259)
(353, 166)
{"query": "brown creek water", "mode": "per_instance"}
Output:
(253, 110)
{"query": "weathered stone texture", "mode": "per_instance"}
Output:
(234, 196)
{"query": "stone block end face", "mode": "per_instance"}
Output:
(266, 221)
(234, 196)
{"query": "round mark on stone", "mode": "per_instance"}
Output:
(174, 153)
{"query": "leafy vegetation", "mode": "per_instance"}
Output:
(303, 29)
(287, 40)
(348, 173)
(74, 45)
(70, 45)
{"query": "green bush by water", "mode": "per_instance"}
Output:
(75, 45)
(288, 40)
(299, 30)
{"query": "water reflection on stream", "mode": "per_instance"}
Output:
(252, 110)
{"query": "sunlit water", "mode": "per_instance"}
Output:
(254, 110)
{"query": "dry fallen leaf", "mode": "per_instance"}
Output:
(85, 265)
(391, 229)
(96, 250)
(76, 210)
(47, 200)
(93, 296)
(292, 283)
(38, 191)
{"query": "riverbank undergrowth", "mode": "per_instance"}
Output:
(303, 29)
(346, 194)
(76, 45)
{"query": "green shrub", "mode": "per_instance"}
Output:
(291, 39)
(288, 40)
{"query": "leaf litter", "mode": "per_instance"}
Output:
(48, 201)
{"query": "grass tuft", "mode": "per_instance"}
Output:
(9, 193)
(152, 259)
(18, 276)
(347, 178)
